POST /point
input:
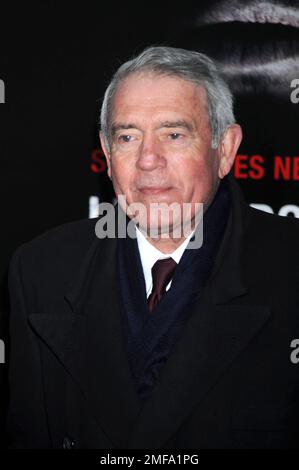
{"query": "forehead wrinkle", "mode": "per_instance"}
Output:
(177, 123)
(119, 126)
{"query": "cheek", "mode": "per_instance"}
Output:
(198, 179)
(122, 175)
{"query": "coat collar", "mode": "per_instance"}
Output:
(89, 341)
(227, 275)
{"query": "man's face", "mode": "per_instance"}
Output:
(161, 145)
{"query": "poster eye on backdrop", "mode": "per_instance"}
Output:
(257, 47)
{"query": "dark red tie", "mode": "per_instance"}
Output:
(162, 272)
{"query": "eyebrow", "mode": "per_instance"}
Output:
(179, 123)
(121, 126)
(169, 124)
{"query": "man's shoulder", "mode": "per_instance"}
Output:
(273, 231)
(61, 245)
(78, 232)
(285, 224)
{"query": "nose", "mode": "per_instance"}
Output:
(150, 154)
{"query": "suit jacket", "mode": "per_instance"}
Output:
(229, 381)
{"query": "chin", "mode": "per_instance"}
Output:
(162, 229)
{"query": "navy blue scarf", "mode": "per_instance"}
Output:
(149, 338)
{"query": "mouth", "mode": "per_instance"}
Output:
(153, 190)
(251, 41)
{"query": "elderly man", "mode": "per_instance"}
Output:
(146, 341)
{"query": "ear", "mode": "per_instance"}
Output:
(106, 153)
(228, 148)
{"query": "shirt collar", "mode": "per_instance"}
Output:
(150, 254)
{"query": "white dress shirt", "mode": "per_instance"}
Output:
(149, 255)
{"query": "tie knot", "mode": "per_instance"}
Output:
(162, 272)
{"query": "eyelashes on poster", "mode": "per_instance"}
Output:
(257, 44)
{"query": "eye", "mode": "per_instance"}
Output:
(125, 138)
(175, 136)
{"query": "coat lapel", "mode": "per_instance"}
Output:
(87, 339)
(214, 336)
(111, 388)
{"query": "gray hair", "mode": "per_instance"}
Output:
(189, 65)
